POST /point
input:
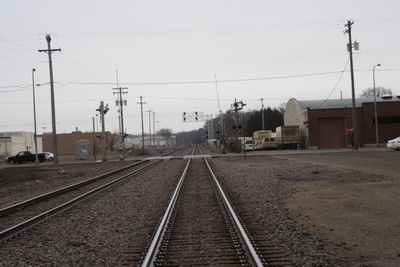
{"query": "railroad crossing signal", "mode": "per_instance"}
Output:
(195, 116)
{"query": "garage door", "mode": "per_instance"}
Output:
(331, 133)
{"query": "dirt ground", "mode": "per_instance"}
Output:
(357, 217)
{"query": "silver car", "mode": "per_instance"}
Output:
(394, 143)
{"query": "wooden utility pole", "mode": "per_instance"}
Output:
(350, 48)
(53, 109)
(154, 128)
(149, 111)
(222, 134)
(94, 139)
(120, 91)
(141, 113)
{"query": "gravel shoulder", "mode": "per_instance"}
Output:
(356, 214)
(325, 215)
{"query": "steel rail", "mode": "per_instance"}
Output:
(254, 258)
(151, 254)
(16, 229)
(162, 227)
(29, 202)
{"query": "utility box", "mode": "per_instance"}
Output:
(81, 149)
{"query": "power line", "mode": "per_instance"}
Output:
(336, 84)
(196, 82)
(206, 81)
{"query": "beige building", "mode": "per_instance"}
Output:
(13, 142)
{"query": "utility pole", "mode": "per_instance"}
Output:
(34, 117)
(53, 108)
(158, 130)
(94, 139)
(120, 103)
(262, 113)
(375, 109)
(154, 128)
(350, 48)
(103, 110)
(219, 108)
(141, 114)
(149, 111)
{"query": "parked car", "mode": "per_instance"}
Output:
(394, 143)
(249, 145)
(25, 156)
(48, 156)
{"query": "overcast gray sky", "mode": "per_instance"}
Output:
(251, 46)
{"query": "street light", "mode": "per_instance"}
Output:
(34, 115)
(376, 115)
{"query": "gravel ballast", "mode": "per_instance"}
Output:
(101, 230)
(23, 182)
(321, 215)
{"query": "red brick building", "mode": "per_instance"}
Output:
(328, 123)
(66, 142)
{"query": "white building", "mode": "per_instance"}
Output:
(13, 142)
(135, 141)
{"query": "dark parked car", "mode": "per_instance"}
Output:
(25, 156)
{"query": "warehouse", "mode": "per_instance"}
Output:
(328, 123)
(13, 142)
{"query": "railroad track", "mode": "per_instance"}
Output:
(200, 227)
(21, 216)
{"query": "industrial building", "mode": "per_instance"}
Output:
(66, 142)
(13, 142)
(328, 123)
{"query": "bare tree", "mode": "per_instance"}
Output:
(380, 91)
(165, 132)
(112, 139)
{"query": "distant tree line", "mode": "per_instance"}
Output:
(249, 122)
(380, 91)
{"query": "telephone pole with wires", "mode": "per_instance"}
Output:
(149, 111)
(121, 103)
(154, 128)
(141, 114)
(220, 111)
(49, 51)
(350, 46)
